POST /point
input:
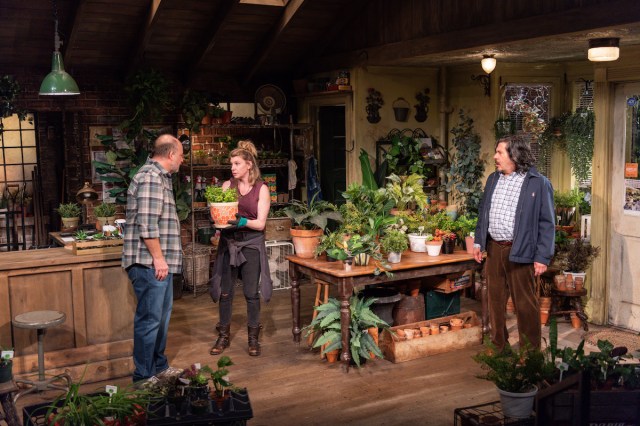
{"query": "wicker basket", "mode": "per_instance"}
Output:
(196, 257)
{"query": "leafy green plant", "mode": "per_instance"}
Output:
(580, 255)
(464, 175)
(514, 370)
(406, 191)
(394, 241)
(363, 203)
(105, 210)
(193, 108)
(466, 225)
(368, 178)
(7, 360)
(69, 210)
(503, 126)
(579, 131)
(328, 241)
(215, 110)
(80, 235)
(219, 376)
(9, 91)
(314, 215)
(215, 194)
(403, 156)
(566, 204)
(326, 328)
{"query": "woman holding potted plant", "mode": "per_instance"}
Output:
(242, 249)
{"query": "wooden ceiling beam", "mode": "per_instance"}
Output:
(216, 27)
(579, 19)
(137, 53)
(263, 51)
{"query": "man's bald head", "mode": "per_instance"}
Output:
(164, 145)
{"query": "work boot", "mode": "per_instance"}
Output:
(254, 346)
(222, 343)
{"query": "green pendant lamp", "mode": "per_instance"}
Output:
(58, 82)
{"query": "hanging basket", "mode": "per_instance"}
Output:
(401, 109)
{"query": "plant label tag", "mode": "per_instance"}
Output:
(183, 380)
(110, 389)
(6, 355)
(197, 365)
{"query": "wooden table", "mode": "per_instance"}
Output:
(413, 265)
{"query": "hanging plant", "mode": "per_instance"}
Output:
(374, 103)
(422, 107)
(503, 126)
(464, 176)
(578, 130)
(532, 123)
(193, 108)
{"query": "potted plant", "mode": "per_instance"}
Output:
(310, 221)
(464, 175)
(215, 112)
(326, 327)
(394, 242)
(406, 192)
(503, 126)
(578, 130)
(193, 109)
(196, 377)
(374, 103)
(105, 215)
(433, 245)
(329, 240)
(422, 107)
(448, 240)
(516, 374)
(223, 204)
(361, 248)
(466, 226)
(6, 365)
(566, 204)
(578, 259)
(70, 214)
(220, 380)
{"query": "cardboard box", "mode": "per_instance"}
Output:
(400, 349)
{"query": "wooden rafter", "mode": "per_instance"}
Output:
(137, 53)
(574, 20)
(263, 51)
(216, 27)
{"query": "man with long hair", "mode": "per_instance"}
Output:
(516, 227)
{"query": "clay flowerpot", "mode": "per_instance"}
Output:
(424, 331)
(456, 324)
(434, 329)
(579, 283)
(408, 332)
(332, 356)
(544, 317)
(559, 282)
(469, 243)
(545, 303)
(305, 241)
(433, 248)
(444, 329)
(576, 322)
(222, 213)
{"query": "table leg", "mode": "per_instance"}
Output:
(345, 319)
(295, 301)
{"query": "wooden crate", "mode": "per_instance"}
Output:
(83, 248)
(277, 229)
(398, 349)
(450, 282)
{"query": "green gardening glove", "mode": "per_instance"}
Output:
(240, 222)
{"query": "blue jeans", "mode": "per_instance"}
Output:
(151, 321)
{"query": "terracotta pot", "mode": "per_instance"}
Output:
(444, 328)
(434, 329)
(545, 303)
(579, 283)
(544, 317)
(456, 324)
(469, 242)
(576, 322)
(305, 241)
(222, 213)
(332, 356)
(424, 331)
(408, 332)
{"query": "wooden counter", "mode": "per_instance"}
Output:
(95, 294)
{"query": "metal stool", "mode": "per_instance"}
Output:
(41, 320)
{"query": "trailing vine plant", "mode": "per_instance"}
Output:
(9, 91)
(464, 176)
(579, 129)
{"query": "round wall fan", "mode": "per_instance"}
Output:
(270, 99)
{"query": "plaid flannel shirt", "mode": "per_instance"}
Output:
(151, 213)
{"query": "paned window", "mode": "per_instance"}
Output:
(538, 96)
(18, 158)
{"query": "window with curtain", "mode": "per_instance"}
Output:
(18, 158)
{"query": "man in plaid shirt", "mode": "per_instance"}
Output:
(152, 254)
(516, 227)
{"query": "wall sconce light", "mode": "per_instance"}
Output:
(488, 63)
(604, 49)
(58, 81)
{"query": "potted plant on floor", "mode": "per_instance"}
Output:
(326, 327)
(310, 221)
(516, 374)
(394, 242)
(70, 214)
(223, 204)
(105, 215)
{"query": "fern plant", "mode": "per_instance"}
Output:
(326, 327)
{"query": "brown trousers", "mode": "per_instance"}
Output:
(506, 278)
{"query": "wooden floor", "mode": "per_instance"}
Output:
(290, 385)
